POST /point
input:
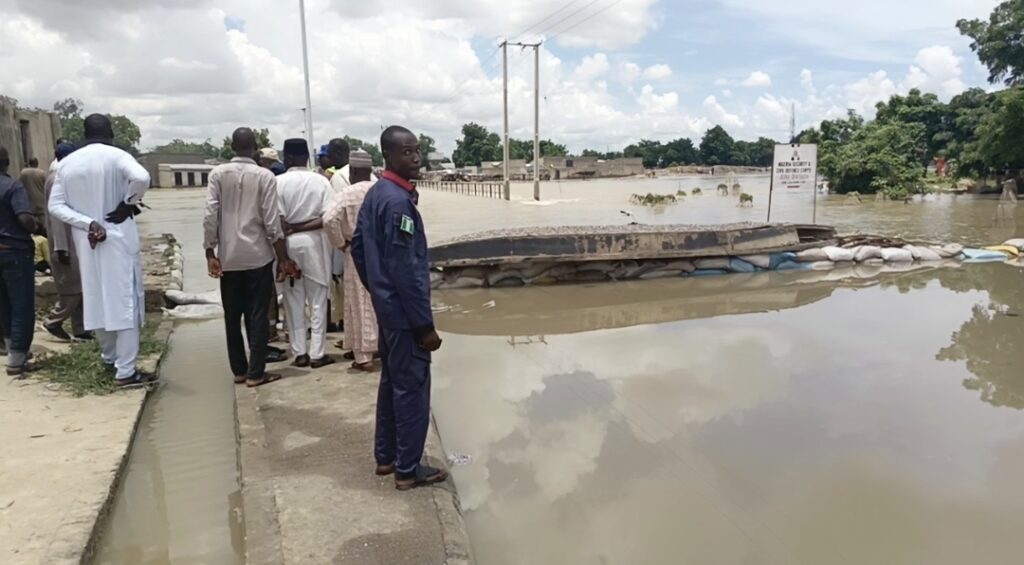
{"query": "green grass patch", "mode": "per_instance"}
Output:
(80, 370)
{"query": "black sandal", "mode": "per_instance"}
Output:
(139, 379)
(267, 378)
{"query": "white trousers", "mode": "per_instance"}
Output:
(120, 349)
(296, 298)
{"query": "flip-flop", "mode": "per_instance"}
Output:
(138, 380)
(267, 379)
(364, 367)
(240, 379)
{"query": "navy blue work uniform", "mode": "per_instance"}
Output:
(389, 250)
(17, 269)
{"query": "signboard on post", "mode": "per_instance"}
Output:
(795, 167)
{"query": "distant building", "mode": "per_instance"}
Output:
(188, 175)
(152, 162)
(561, 168)
(27, 134)
(437, 161)
(491, 170)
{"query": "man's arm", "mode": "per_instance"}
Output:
(137, 177)
(272, 221)
(311, 225)
(211, 225)
(401, 264)
(59, 208)
(57, 231)
(358, 247)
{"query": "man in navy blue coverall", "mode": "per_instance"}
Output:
(390, 252)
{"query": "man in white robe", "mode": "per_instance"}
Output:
(96, 192)
(361, 332)
(303, 197)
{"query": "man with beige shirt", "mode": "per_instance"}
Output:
(243, 234)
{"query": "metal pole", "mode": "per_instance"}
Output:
(771, 188)
(305, 69)
(536, 122)
(814, 213)
(504, 68)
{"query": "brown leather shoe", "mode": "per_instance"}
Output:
(385, 470)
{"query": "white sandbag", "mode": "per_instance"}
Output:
(183, 298)
(661, 274)
(497, 277)
(822, 266)
(682, 265)
(865, 252)
(462, 282)
(763, 261)
(811, 256)
(531, 270)
(641, 268)
(949, 251)
(921, 253)
(713, 263)
(838, 254)
(436, 276)
(896, 255)
(195, 312)
(1018, 243)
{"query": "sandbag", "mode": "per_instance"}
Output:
(641, 268)
(838, 254)
(865, 252)
(497, 277)
(896, 255)
(811, 255)
(983, 256)
(921, 253)
(1008, 249)
(793, 266)
(763, 261)
(1018, 243)
(509, 282)
(708, 272)
(712, 263)
(950, 250)
(599, 266)
(780, 258)
(737, 265)
(195, 312)
(462, 282)
(681, 265)
(661, 274)
(822, 265)
(531, 270)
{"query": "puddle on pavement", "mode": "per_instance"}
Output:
(180, 500)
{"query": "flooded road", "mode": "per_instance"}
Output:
(180, 500)
(768, 418)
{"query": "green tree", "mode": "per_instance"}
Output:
(180, 146)
(650, 151)
(1001, 132)
(69, 111)
(680, 151)
(476, 146)
(918, 108)
(427, 146)
(262, 141)
(717, 147)
(999, 42)
(966, 112)
(878, 158)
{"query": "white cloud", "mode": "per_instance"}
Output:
(720, 115)
(936, 69)
(627, 73)
(727, 93)
(658, 103)
(591, 68)
(863, 94)
(756, 79)
(657, 72)
(807, 80)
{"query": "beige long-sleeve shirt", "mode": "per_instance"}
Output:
(242, 216)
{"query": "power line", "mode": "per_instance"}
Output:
(561, 21)
(586, 19)
(546, 18)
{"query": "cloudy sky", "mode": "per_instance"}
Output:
(612, 71)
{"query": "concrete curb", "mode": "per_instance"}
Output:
(259, 503)
(88, 553)
(457, 548)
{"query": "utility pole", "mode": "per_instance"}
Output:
(305, 67)
(504, 163)
(536, 122)
(792, 123)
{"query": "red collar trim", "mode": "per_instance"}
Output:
(399, 181)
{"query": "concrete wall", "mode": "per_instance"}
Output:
(152, 162)
(167, 173)
(42, 128)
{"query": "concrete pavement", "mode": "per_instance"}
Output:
(308, 487)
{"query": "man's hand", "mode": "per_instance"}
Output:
(122, 213)
(96, 234)
(213, 267)
(431, 341)
(288, 268)
(289, 229)
(63, 257)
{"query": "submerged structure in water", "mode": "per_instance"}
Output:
(574, 254)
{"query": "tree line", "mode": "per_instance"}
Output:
(976, 134)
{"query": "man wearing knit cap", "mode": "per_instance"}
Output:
(303, 197)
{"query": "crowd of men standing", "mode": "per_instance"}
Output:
(270, 228)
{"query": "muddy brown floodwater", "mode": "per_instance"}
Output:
(793, 420)
(684, 421)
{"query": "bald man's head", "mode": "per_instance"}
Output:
(243, 142)
(98, 128)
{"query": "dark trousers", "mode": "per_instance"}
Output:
(246, 295)
(17, 297)
(403, 401)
